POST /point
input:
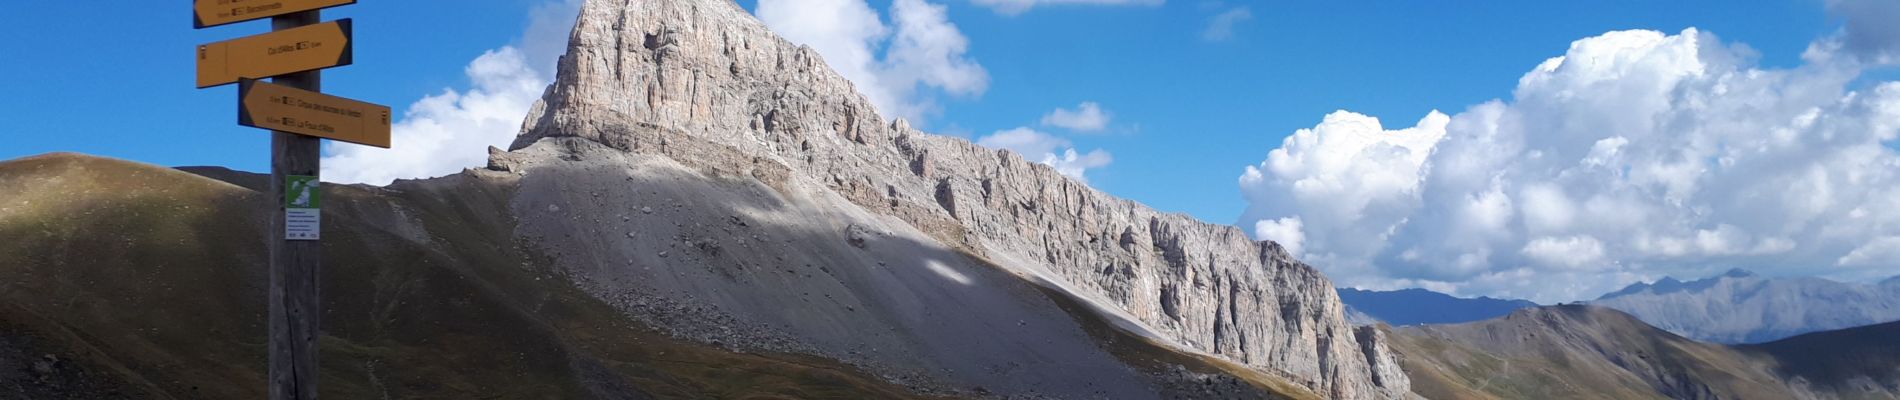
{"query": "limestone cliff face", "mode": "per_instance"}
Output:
(704, 83)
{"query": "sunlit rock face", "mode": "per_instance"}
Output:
(710, 90)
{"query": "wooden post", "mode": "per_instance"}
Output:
(295, 266)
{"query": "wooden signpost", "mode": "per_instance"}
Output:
(299, 116)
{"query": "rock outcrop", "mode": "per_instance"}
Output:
(704, 83)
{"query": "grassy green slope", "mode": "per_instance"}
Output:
(1584, 352)
(146, 282)
(1577, 352)
(126, 280)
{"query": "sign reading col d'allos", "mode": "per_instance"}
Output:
(282, 52)
(209, 13)
(283, 108)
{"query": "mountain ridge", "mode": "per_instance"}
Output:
(691, 175)
(1591, 352)
(1741, 307)
(1670, 284)
(709, 86)
(419, 270)
(427, 295)
(1829, 365)
(1416, 306)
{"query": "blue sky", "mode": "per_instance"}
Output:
(1198, 110)
(1189, 113)
(133, 60)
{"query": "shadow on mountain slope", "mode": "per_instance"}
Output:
(149, 280)
(134, 281)
(1854, 360)
(1588, 352)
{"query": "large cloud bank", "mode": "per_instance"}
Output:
(1634, 155)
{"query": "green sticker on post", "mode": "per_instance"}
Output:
(302, 219)
(301, 192)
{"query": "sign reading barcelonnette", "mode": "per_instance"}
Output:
(299, 116)
(209, 13)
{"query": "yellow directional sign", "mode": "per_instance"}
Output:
(277, 53)
(283, 108)
(209, 13)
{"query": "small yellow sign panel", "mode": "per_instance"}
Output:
(282, 52)
(209, 13)
(283, 108)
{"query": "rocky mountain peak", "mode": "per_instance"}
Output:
(1669, 284)
(704, 83)
(1739, 306)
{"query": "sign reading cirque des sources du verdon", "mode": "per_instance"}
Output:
(283, 108)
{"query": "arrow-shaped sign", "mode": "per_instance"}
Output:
(209, 13)
(277, 53)
(283, 108)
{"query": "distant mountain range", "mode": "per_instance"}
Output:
(1668, 285)
(1741, 307)
(1587, 352)
(1420, 306)
(1737, 306)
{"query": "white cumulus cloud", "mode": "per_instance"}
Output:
(1076, 165)
(1086, 117)
(451, 130)
(1221, 27)
(1048, 149)
(1882, 252)
(1636, 154)
(1024, 141)
(1288, 232)
(1352, 179)
(446, 132)
(1567, 252)
(1015, 7)
(892, 65)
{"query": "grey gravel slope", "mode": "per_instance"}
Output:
(737, 263)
